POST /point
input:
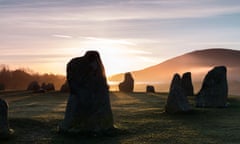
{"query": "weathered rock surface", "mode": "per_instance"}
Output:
(128, 84)
(187, 84)
(5, 131)
(177, 100)
(214, 89)
(88, 107)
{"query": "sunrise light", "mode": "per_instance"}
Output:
(129, 35)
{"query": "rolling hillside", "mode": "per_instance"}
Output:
(197, 62)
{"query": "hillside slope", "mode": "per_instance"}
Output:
(197, 62)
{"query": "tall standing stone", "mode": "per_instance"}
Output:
(187, 84)
(214, 89)
(177, 100)
(128, 84)
(88, 107)
(5, 131)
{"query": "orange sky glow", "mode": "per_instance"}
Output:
(129, 34)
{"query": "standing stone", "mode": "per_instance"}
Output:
(49, 87)
(214, 89)
(187, 84)
(5, 132)
(128, 84)
(65, 87)
(177, 100)
(34, 86)
(150, 89)
(88, 107)
(43, 86)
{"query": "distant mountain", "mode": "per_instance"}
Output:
(197, 62)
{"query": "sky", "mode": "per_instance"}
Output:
(43, 35)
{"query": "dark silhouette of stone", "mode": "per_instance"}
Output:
(177, 100)
(65, 87)
(150, 89)
(34, 86)
(43, 86)
(88, 108)
(5, 131)
(2, 86)
(187, 84)
(128, 84)
(214, 89)
(48, 87)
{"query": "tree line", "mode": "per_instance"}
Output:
(19, 79)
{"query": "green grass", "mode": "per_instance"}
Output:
(138, 117)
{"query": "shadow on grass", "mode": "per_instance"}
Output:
(110, 136)
(140, 118)
(45, 131)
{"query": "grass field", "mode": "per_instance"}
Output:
(138, 117)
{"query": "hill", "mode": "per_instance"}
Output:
(196, 62)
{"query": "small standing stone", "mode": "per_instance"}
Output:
(150, 89)
(5, 131)
(34, 86)
(50, 87)
(214, 89)
(128, 84)
(177, 100)
(43, 86)
(187, 84)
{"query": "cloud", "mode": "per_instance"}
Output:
(108, 10)
(62, 36)
(109, 41)
(140, 29)
(213, 43)
(149, 60)
(110, 18)
(139, 52)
